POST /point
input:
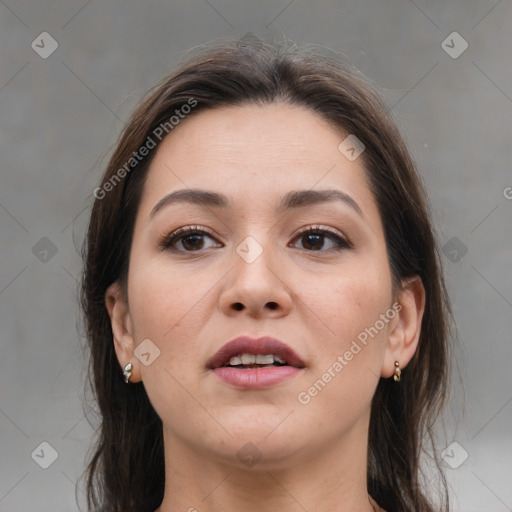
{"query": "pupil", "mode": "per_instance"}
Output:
(197, 242)
(313, 241)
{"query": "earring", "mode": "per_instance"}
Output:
(398, 372)
(127, 372)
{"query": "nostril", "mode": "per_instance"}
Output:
(272, 305)
(238, 306)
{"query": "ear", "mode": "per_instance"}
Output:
(405, 333)
(122, 329)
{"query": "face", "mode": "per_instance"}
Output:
(310, 270)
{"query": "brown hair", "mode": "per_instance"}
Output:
(127, 466)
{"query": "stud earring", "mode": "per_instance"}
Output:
(398, 372)
(127, 372)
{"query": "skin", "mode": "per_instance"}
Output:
(313, 456)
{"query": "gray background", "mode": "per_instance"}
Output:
(61, 115)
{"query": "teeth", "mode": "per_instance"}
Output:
(255, 359)
(234, 361)
(261, 359)
(248, 359)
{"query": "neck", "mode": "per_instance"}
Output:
(327, 481)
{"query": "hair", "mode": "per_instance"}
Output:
(127, 465)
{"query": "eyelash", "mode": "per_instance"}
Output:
(342, 242)
(168, 241)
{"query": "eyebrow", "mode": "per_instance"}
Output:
(293, 199)
(301, 198)
(193, 196)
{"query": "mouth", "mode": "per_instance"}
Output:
(246, 353)
(246, 361)
(255, 362)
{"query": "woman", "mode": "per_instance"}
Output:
(265, 307)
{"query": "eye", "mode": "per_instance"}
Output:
(320, 239)
(189, 239)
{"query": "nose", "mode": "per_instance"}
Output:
(257, 289)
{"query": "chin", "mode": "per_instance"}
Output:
(259, 454)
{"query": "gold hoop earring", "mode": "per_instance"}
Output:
(398, 372)
(127, 372)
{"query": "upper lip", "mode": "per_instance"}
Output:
(247, 345)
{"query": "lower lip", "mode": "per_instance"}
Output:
(256, 378)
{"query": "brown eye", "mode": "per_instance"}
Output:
(313, 241)
(189, 239)
(192, 242)
(316, 239)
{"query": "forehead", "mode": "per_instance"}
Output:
(254, 153)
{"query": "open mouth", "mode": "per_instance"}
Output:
(256, 371)
(255, 363)
(246, 353)
(247, 361)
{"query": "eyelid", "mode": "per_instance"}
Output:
(167, 240)
(320, 228)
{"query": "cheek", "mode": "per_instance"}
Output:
(347, 304)
(168, 307)
(163, 299)
(347, 363)
(165, 309)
